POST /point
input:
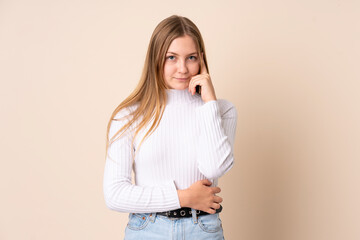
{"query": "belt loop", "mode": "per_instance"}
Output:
(194, 217)
(152, 217)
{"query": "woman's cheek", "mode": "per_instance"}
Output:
(195, 69)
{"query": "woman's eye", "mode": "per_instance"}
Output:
(192, 58)
(171, 57)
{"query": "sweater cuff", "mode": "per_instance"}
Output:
(210, 106)
(209, 112)
(173, 195)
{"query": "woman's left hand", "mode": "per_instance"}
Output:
(203, 79)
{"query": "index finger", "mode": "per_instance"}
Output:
(216, 189)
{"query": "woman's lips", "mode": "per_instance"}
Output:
(182, 79)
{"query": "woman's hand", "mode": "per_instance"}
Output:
(201, 196)
(203, 79)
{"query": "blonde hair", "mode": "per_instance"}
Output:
(150, 94)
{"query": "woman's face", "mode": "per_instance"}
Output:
(182, 62)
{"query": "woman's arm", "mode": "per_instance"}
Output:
(217, 125)
(119, 192)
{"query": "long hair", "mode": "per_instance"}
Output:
(150, 94)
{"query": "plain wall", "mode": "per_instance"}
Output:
(290, 67)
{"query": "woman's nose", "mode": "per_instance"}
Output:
(182, 68)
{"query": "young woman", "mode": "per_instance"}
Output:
(176, 136)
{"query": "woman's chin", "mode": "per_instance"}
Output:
(180, 86)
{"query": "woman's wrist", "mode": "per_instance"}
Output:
(183, 197)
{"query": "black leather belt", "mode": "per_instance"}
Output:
(185, 212)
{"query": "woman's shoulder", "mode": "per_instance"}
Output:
(125, 112)
(122, 118)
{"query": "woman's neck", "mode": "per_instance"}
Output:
(180, 96)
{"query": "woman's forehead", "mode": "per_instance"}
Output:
(182, 46)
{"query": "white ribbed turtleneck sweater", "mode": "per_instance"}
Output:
(193, 141)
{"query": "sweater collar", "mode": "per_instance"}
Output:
(176, 96)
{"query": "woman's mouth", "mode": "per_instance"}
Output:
(182, 79)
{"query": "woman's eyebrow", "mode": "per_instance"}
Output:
(178, 54)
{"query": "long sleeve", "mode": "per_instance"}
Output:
(119, 192)
(216, 137)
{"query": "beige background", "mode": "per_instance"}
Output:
(290, 67)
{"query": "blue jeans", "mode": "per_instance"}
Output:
(153, 226)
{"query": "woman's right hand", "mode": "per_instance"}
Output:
(201, 196)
